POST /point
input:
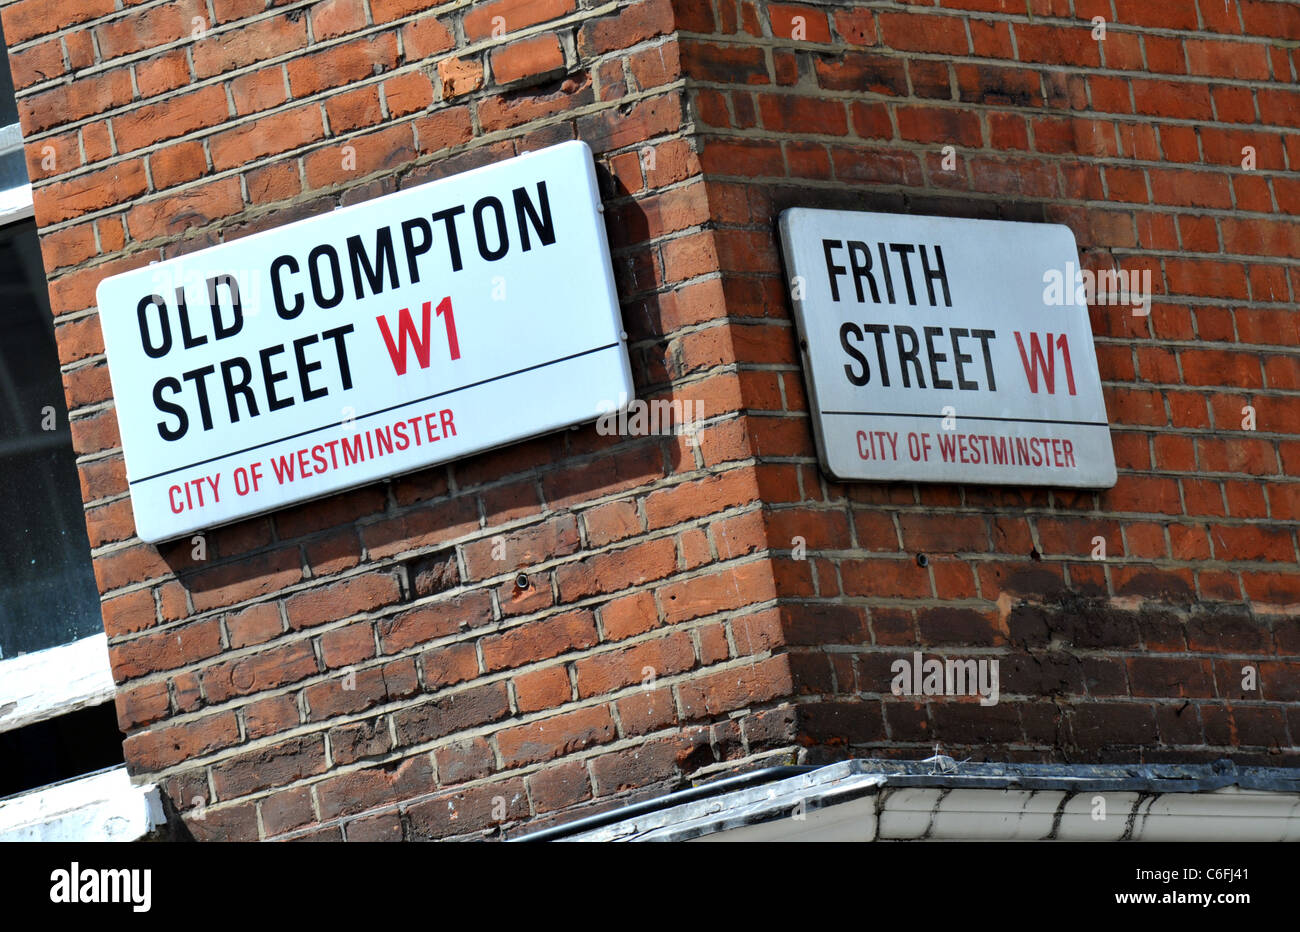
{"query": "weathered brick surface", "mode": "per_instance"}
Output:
(365, 667)
(1148, 173)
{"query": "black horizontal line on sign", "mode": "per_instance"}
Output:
(971, 417)
(362, 417)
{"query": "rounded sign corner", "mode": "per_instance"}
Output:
(832, 474)
(1068, 233)
(789, 217)
(154, 536)
(99, 290)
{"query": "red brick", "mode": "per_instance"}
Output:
(434, 620)
(264, 670)
(691, 500)
(801, 23)
(342, 64)
(408, 93)
(789, 114)
(254, 625)
(333, 18)
(258, 90)
(142, 705)
(192, 208)
(646, 710)
(464, 760)
(470, 810)
(521, 549)
(1059, 45)
(348, 692)
(911, 32)
(27, 19)
(277, 181)
(163, 746)
(270, 135)
(443, 129)
(247, 579)
(74, 101)
(62, 200)
(856, 27)
(364, 593)
(725, 590)
(532, 60)
(654, 67)
(95, 433)
(610, 671)
(735, 688)
(424, 38)
(618, 569)
(36, 63)
(177, 164)
(351, 644)
(547, 688)
(1136, 12)
(452, 712)
(126, 614)
(68, 246)
(265, 767)
(633, 23)
(270, 715)
(539, 640)
(559, 787)
(613, 521)
(349, 110)
(359, 156)
(556, 736)
(448, 665)
(629, 616)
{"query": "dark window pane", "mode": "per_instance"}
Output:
(13, 168)
(8, 106)
(47, 590)
(62, 748)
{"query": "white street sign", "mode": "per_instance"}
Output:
(409, 330)
(947, 350)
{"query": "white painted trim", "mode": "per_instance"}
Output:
(869, 800)
(101, 806)
(11, 138)
(51, 682)
(16, 204)
(933, 814)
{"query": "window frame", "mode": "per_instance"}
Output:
(75, 675)
(16, 202)
(55, 681)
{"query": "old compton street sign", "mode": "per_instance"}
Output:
(409, 330)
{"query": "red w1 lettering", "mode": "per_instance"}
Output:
(1037, 357)
(420, 342)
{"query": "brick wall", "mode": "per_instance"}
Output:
(362, 667)
(1136, 143)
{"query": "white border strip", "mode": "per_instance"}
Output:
(16, 204)
(47, 683)
(101, 806)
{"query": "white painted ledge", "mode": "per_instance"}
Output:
(102, 806)
(939, 799)
(46, 683)
(16, 204)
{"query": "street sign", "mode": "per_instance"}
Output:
(939, 349)
(409, 330)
